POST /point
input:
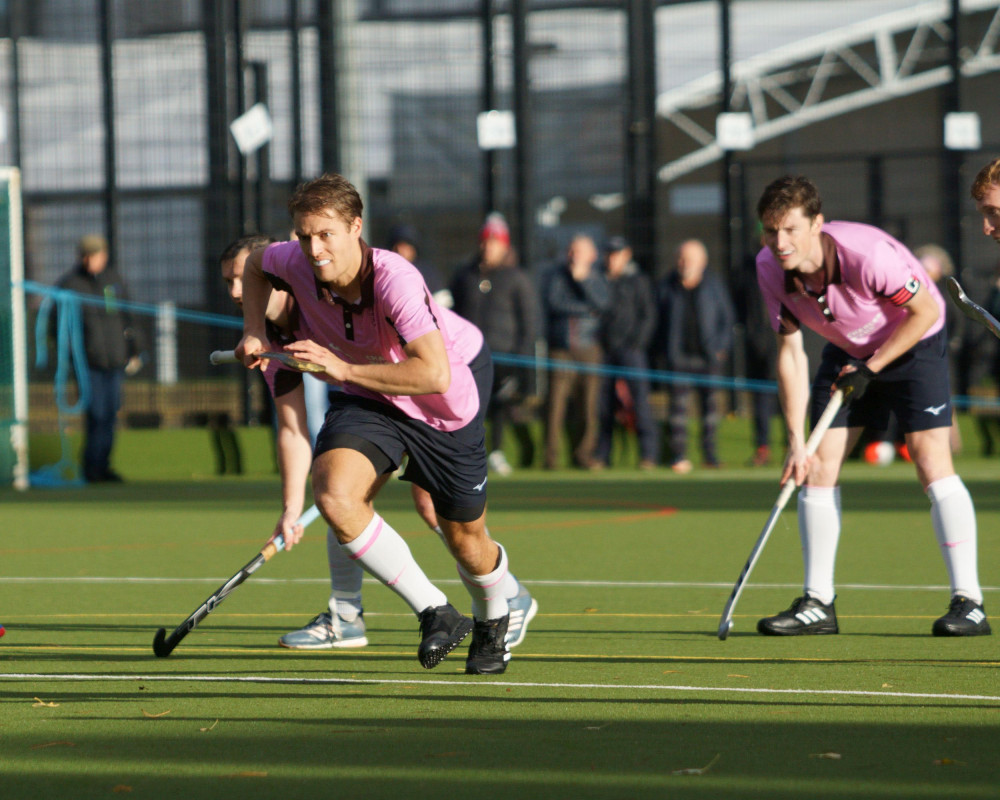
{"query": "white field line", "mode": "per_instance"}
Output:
(900, 587)
(649, 687)
(566, 583)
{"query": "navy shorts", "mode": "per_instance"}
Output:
(450, 465)
(914, 387)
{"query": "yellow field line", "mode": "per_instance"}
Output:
(518, 655)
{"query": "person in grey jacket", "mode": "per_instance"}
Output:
(112, 344)
(695, 337)
(576, 297)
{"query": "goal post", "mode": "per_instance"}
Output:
(13, 336)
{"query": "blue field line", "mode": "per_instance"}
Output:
(655, 376)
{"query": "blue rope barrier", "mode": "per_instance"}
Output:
(727, 383)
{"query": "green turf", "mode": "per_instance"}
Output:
(620, 684)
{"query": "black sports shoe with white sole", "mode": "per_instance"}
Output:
(807, 615)
(488, 653)
(441, 630)
(965, 617)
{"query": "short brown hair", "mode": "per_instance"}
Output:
(328, 193)
(987, 176)
(786, 193)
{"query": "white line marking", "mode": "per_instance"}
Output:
(500, 683)
(527, 581)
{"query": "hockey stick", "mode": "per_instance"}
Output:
(164, 645)
(726, 623)
(971, 309)
(229, 357)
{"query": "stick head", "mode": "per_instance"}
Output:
(293, 362)
(160, 646)
(955, 290)
(724, 627)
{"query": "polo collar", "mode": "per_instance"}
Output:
(367, 273)
(831, 269)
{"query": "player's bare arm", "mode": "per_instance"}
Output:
(256, 295)
(426, 369)
(793, 394)
(294, 461)
(921, 313)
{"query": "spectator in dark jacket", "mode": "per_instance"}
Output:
(695, 337)
(576, 297)
(493, 293)
(405, 240)
(626, 335)
(112, 345)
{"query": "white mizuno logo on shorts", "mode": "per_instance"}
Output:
(811, 616)
(479, 486)
(935, 410)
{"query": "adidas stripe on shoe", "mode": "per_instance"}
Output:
(965, 617)
(806, 615)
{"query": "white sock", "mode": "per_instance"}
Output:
(819, 530)
(511, 586)
(384, 554)
(487, 591)
(954, 519)
(345, 580)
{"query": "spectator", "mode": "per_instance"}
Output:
(404, 240)
(494, 294)
(576, 297)
(628, 328)
(696, 336)
(113, 347)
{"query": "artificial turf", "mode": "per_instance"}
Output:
(621, 688)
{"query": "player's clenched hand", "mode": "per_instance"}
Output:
(287, 529)
(797, 464)
(853, 380)
(246, 351)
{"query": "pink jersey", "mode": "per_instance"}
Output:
(868, 277)
(395, 308)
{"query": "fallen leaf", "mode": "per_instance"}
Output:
(590, 611)
(671, 671)
(886, 685)
(146, 714)
(948, 762)
(697, 770)
(210, 727)
(53, 744)
(42, 704)
(121, 788)
(735, 675)
(831, 756)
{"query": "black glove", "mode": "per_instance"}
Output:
(853, 383)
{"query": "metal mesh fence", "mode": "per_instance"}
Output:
(118, 114)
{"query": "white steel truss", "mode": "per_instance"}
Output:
(890, 56)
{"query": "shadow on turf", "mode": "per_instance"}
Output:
(535, 491)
